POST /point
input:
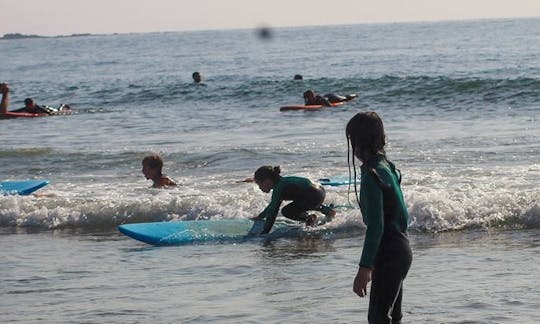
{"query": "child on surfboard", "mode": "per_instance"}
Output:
(305, 195)
(312, 98)
(386, 255)
(152, 166)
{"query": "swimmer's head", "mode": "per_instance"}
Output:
(309, 95)
(197, 77)
(152, 166)
(29, 103)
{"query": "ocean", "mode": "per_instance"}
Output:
(460, 102)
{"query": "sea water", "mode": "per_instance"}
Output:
(460, 102)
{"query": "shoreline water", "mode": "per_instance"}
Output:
(472, 276)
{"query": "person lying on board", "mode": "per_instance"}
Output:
(305, 195)
(32, 108)
(152, 166)
(312, 98)
(29, 105)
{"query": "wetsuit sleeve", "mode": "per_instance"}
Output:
(373, 215)
(271, 211)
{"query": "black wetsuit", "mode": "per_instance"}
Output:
(305, 196)
(386, 246)
(36, 110)
(319, 100)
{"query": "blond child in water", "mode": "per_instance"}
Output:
(152, 166)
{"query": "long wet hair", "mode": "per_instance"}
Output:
(365, 140)
(268, 172)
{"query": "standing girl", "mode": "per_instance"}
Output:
(386, 255)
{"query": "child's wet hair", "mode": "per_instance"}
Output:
(154, 161)
(268, 172)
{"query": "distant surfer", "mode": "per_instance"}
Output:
(298, 77)
(305, 195)
(197, 78)
(312, 98)
(152, 166)
(386, 255)
(30, 106)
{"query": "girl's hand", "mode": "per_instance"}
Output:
(4, 88)
(361, 280)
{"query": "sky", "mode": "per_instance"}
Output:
(65, 17)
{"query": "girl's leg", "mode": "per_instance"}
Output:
(385, 289)
(391, 267)
(295, 211)
(311, 199)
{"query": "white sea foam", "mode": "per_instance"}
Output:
(436, 202)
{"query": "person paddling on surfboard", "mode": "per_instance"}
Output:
(30, 106)
(311, 98)
(305, 195)
(152, 166)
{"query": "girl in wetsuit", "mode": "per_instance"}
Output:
(305, 196)
(386, 255)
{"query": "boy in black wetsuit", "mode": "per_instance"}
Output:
(32, 108)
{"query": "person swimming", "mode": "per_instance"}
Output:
(152, 166)
(197, 77)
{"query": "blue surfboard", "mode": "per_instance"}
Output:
(25, 187)
(187, 232)
(337, 181)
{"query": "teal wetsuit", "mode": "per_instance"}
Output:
(386, 247)
(305, 196)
